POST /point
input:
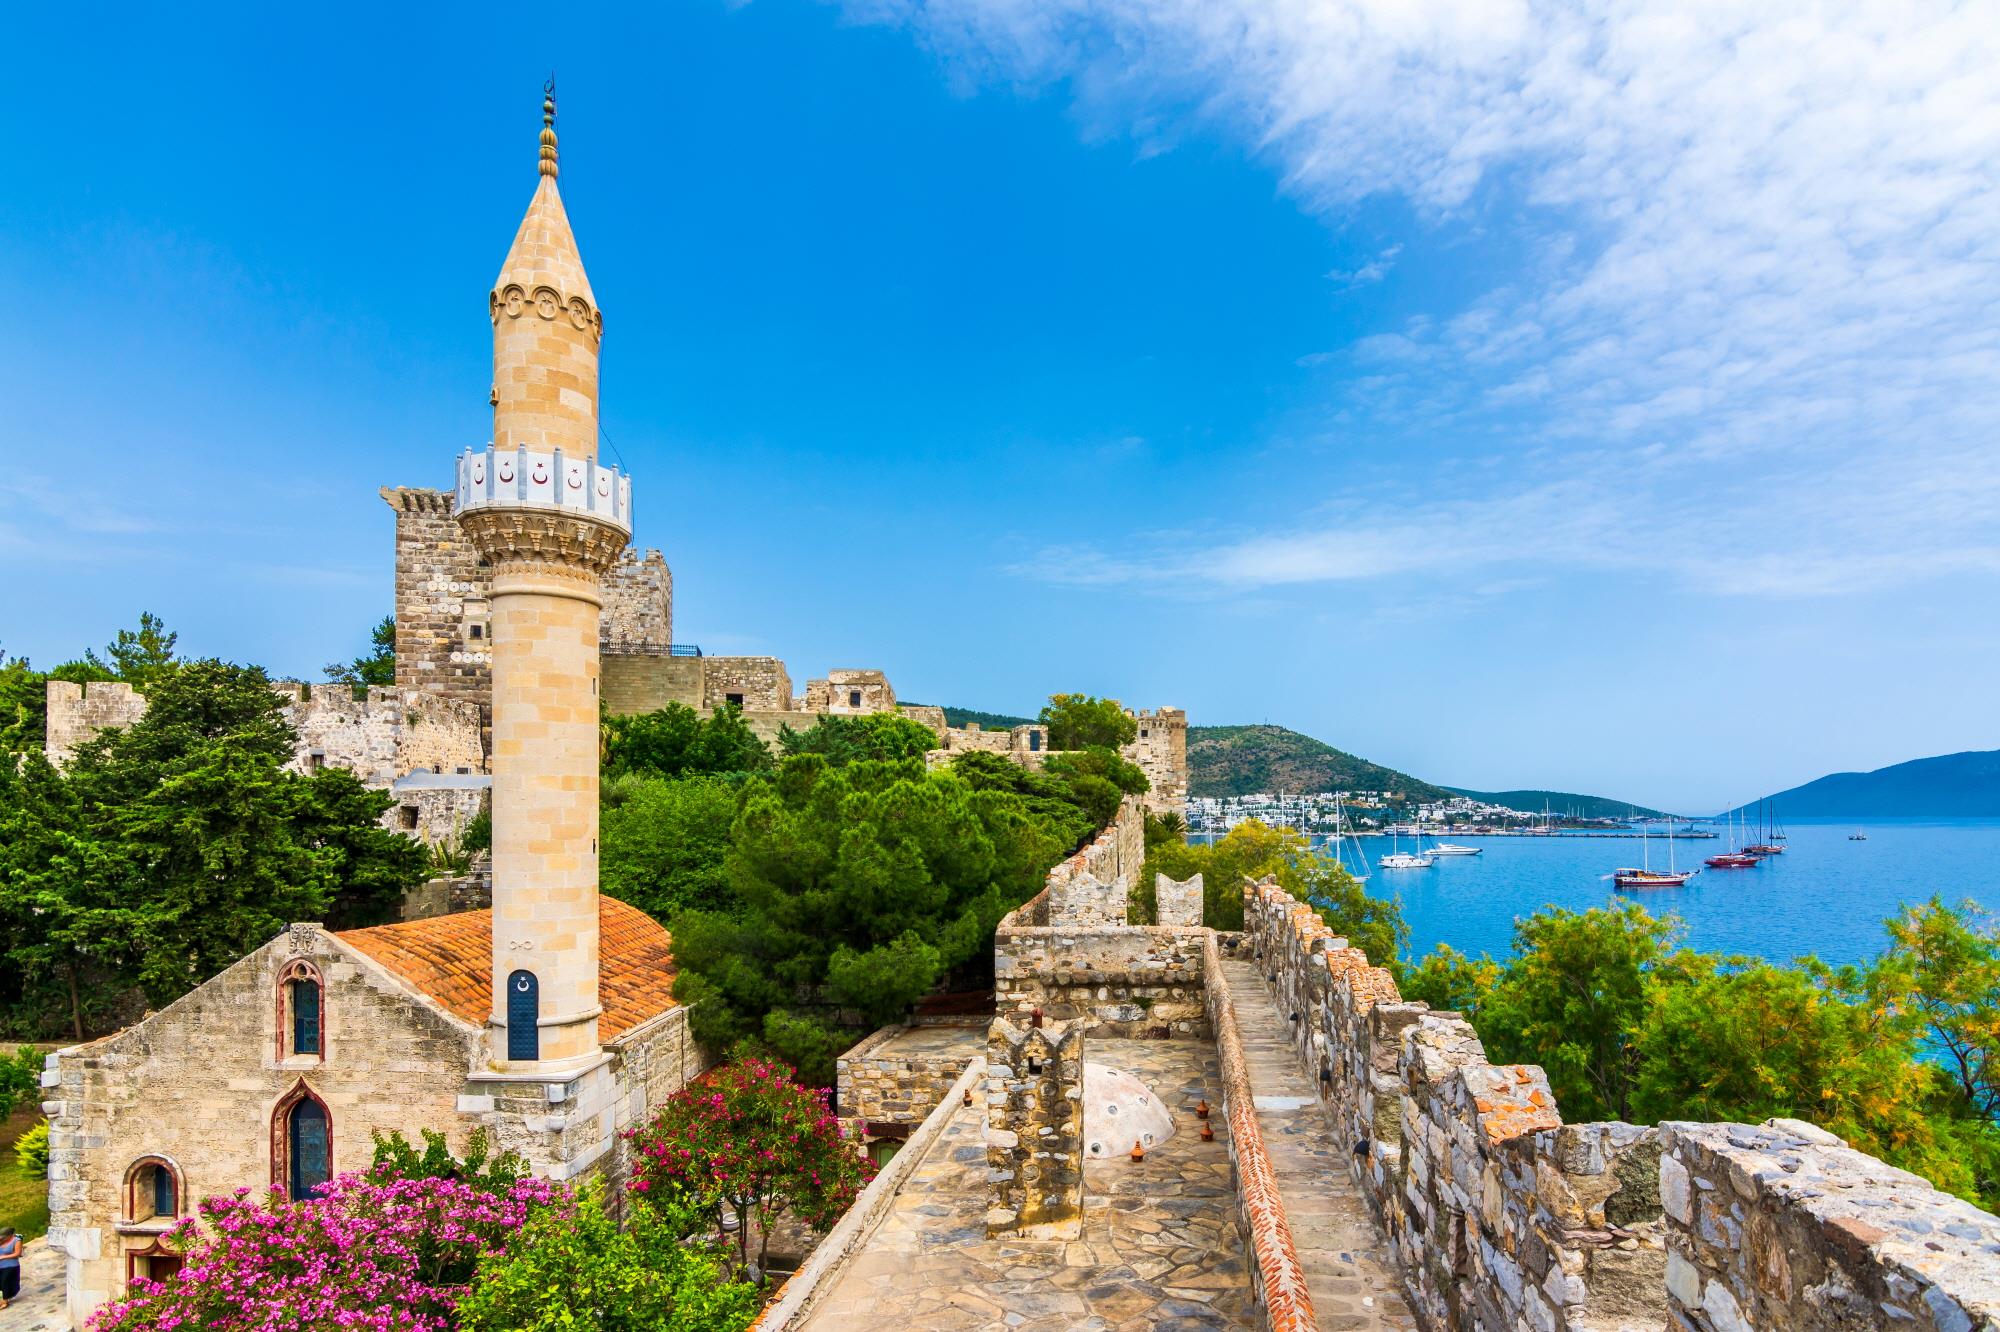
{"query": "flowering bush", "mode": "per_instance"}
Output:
(578, 1272)
(390, 1255)
(751, 1139)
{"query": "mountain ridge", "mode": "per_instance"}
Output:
(1964, 784)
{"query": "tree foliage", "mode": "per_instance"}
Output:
(1079, 721)
(677, 741)
(749, 1142)
(877, 735)
(165, 851)
(378, 667)
(857, 887)
(663, 843)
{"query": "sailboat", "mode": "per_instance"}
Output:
(1737, 859)
(1400, 859)
(1342, 833)
(1857, 836)
(1649, 877)
(1769, 845)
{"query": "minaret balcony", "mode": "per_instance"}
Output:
(523, 479)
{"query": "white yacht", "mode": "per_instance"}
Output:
(1454, 849)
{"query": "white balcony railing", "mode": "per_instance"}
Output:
(521, 479)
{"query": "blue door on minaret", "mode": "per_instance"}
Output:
(524, 1008)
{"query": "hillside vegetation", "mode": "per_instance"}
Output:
(1563, 802)
(1241, 760)
(1964, 785)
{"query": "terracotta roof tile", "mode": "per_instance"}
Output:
(450, 958)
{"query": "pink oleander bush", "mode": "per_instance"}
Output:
(368, 1253)
(749, 1137)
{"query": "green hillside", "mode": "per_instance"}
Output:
(1561, 802)
(992, 721)
(1240, 760)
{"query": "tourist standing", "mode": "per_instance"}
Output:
(10, 1265)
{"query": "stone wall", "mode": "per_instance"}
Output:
(1500, 1216)
(1160, 750)
(76, 713)
(638, 594)
(1786, 1227)
(1034, 1133)
(380, 734)
(635, 682)
(756, 684)
(878, 1085)
(1277, 1274)
(849, 693)
(1179, 901)
(1093, 886)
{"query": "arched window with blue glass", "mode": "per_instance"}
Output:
(301, 1012)
(302, 1144)
(524, 1011)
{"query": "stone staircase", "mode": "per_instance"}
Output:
(1346, 1265)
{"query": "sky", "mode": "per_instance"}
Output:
(1598, 397)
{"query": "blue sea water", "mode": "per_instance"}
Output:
(1825, 895)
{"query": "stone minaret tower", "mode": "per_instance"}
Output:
(550, 521)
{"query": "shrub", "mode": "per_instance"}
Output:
(751, 1138)
(20, 1078)
(31, 1150)
(392, 1256)
(576, 1270)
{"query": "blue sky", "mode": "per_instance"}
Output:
(1518, 395)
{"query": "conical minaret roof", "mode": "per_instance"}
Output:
(544, 252)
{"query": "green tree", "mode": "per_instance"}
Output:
(1372, 924)
(167, 850)
(845, 876)
(1573, 998)
(20, 1079)
(1943, 969)
(1250, 850)
(24, 707)
(376, 668)
(663, 843)
(677, 741)
(1448, 980)
(1078, 721)
(576, 1270)
(1070, 816)
(397, 1158)
(137, 656)
(875, 735)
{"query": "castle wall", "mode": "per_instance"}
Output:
(877, 1083)
(1502, 1217)
(638, 594)
(756, 684)
(1034, 1134)
(636, 682)
(1160, 750)
(380, 734)
(76, 713)
(849, 693)
(197, 1083)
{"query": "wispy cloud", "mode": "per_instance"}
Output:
(1756, 312)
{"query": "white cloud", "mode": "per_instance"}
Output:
(1762, 259)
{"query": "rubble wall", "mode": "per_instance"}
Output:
(1501, 1217)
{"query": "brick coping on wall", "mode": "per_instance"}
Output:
(794, 1300)
(1281, 1280)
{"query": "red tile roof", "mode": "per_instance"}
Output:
(450, 958)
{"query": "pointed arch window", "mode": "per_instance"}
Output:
(301, 1012)
(301, 1144)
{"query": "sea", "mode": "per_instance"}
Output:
(1826, 895)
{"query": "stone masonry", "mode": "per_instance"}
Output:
(1179, 901)
(1034, 1135)
(78, 712)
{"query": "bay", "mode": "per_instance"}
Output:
(1825, 895)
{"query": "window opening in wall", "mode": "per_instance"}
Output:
(152, 1192)
(1034, 742)
(854, 698)
(308, 1148)
(305, 1015)
(154, 1263)
(882, 1151)
(408, 815)
(315, 761)
(737, 699)
(1142, 735)
(479, 631)
(524, 1009)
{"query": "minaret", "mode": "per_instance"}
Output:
(550, 521)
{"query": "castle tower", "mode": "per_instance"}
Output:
(550, 521)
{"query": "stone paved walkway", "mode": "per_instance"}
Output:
(1345, 1261)
(40, 1307)
(1160, 1250)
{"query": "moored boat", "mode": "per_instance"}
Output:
(1645, 878)
(1454, 849)
(1404, 860)
(1731, 860)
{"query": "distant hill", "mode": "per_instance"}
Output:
(1562, 802)
(1240, 760)
(992, 721)
(1950, 785)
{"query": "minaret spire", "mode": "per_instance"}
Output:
(549, 128)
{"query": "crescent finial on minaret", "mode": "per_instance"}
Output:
(549, 127)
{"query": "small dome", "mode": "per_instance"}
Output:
(1119, 1110)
